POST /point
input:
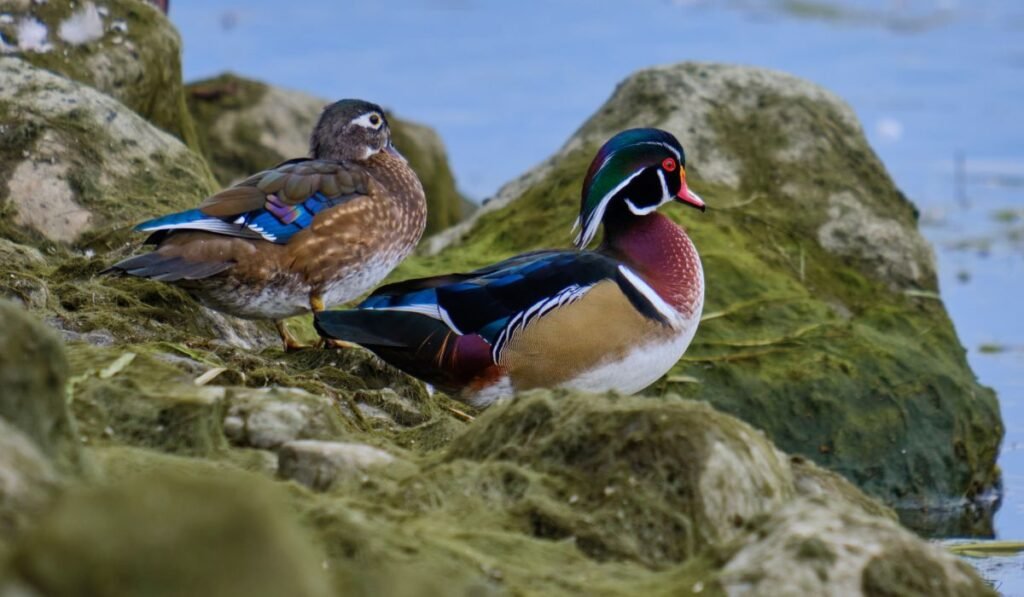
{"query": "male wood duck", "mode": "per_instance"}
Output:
(613, 319)
(307, 234)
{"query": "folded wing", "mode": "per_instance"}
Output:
(272, 205)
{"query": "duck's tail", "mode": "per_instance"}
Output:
(415, 343)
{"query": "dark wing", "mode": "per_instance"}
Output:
(488, 300)
(272, 205)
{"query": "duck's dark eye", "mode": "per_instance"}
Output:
(374, 119)
(668, 164)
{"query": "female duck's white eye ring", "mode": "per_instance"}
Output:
(370, 120)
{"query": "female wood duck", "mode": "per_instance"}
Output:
(304, 235)
(613, 319)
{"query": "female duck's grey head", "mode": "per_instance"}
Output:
(351, 130)
(641, 168)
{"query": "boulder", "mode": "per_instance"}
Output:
(171, 534)
(78, 170)
(320, 465)
(33, 374)
(246, 126)
(28, 481)
(124, 48)
(267, 418)
(76, 162)
(577, 493)
(650, 480)
(822, 324)
(814, 547)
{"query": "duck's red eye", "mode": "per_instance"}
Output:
(668, 164)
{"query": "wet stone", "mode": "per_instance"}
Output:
(320, 464)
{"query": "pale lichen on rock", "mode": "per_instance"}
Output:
(124, 48)
(75, 160)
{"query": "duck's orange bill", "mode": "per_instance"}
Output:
(687, 196)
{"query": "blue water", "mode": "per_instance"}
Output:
(505, 83)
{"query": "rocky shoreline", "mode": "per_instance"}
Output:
(154, 447)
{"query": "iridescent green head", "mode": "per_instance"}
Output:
(642, 168)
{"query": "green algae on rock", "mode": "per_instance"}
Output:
(33, 373)
(149, 395)
(27, 481)
(123, 48)
(645, 479)
(78, 165)
(246, 126)
(821, 325)
(839, 550)
(170, 534)
(554, 493)
(533, 497)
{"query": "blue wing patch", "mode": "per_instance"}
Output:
(276, 222)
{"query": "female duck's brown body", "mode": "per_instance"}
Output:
(347, 251)
(305, 235)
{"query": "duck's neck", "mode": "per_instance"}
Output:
(661, 253)
(403, 187)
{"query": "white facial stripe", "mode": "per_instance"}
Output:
(641, 211)
(590, 226)
(364, 121)
(665, 195)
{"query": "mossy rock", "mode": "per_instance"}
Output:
(33, 374)
(80, 167)
(246, 126)
(172, 534)
(568, 493)
(650, 480)
(822, 324)
(124, 48)
(28, 481)
(818, 547)
(161, 396)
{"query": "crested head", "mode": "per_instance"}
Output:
(642, 169)
(350, 129)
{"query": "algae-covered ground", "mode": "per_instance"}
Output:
(172, 488)
(246, 126)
